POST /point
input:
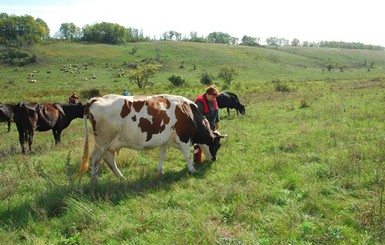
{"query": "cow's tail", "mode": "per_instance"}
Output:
(86, 152)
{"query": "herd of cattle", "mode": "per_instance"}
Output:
(135, 122)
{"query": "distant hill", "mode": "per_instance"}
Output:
(62, 67)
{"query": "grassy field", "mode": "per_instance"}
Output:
(305, 166)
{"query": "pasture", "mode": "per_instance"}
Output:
(304, 165)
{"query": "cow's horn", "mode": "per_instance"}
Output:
(220, 135)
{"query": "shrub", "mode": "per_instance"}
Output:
(88, 94)
(304, 103)
(227, 73)
(206, 79)
(279, 87)
(177, 81)
(18, 57)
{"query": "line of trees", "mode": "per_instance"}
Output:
(21, 30)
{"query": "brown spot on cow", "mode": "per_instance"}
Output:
(138, 105)
(184, 122)
(156, 108)
(133, 118)
(126, 109)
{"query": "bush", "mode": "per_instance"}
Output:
(279, 87)
(206, 79)
(227, 73)
(88, 94)
(18, 57)
(177, 81)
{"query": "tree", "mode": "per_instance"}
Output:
(194, 37)
(104, 32)
(295, 42)
(43, 28)
(227, 73)
(142, 73)
(69, 31)
(250, 41)
(21, 30)
(220, 37)
(272, 41)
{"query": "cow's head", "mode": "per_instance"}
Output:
(242, 109)
(211, 148)
(215, 145)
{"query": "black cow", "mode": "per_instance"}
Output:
(31, 117)
(230, 101)
(6, 114)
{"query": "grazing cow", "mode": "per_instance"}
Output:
(142, 123)
(6, 114)
(31, 117)
(230, 100)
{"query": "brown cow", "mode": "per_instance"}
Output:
(31, 117)
(6, 114)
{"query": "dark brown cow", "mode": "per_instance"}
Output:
(142, 123)
(6, 114)
(31, 117)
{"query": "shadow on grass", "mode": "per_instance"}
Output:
(53, 203)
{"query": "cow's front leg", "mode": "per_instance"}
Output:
(56, 136)
(30, 140)
(162, 156)
(185, 148)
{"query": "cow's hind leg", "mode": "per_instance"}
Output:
(95, 158)
(109, 158)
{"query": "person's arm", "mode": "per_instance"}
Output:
(200, 106)
(216, 119)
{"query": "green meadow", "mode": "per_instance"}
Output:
(305, 165)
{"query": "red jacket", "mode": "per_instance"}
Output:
(201, 98)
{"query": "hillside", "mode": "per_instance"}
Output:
(256, 67)
(304, 165)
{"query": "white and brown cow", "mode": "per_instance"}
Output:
(142, 123)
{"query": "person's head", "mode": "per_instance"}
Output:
(212, 93)
(74, 94)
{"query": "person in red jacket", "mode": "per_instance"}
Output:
(207, 105)
(73, 99)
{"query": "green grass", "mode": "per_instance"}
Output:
(287, 173)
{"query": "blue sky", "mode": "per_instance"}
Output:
(307, 20)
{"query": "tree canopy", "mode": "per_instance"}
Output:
(22, 30)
